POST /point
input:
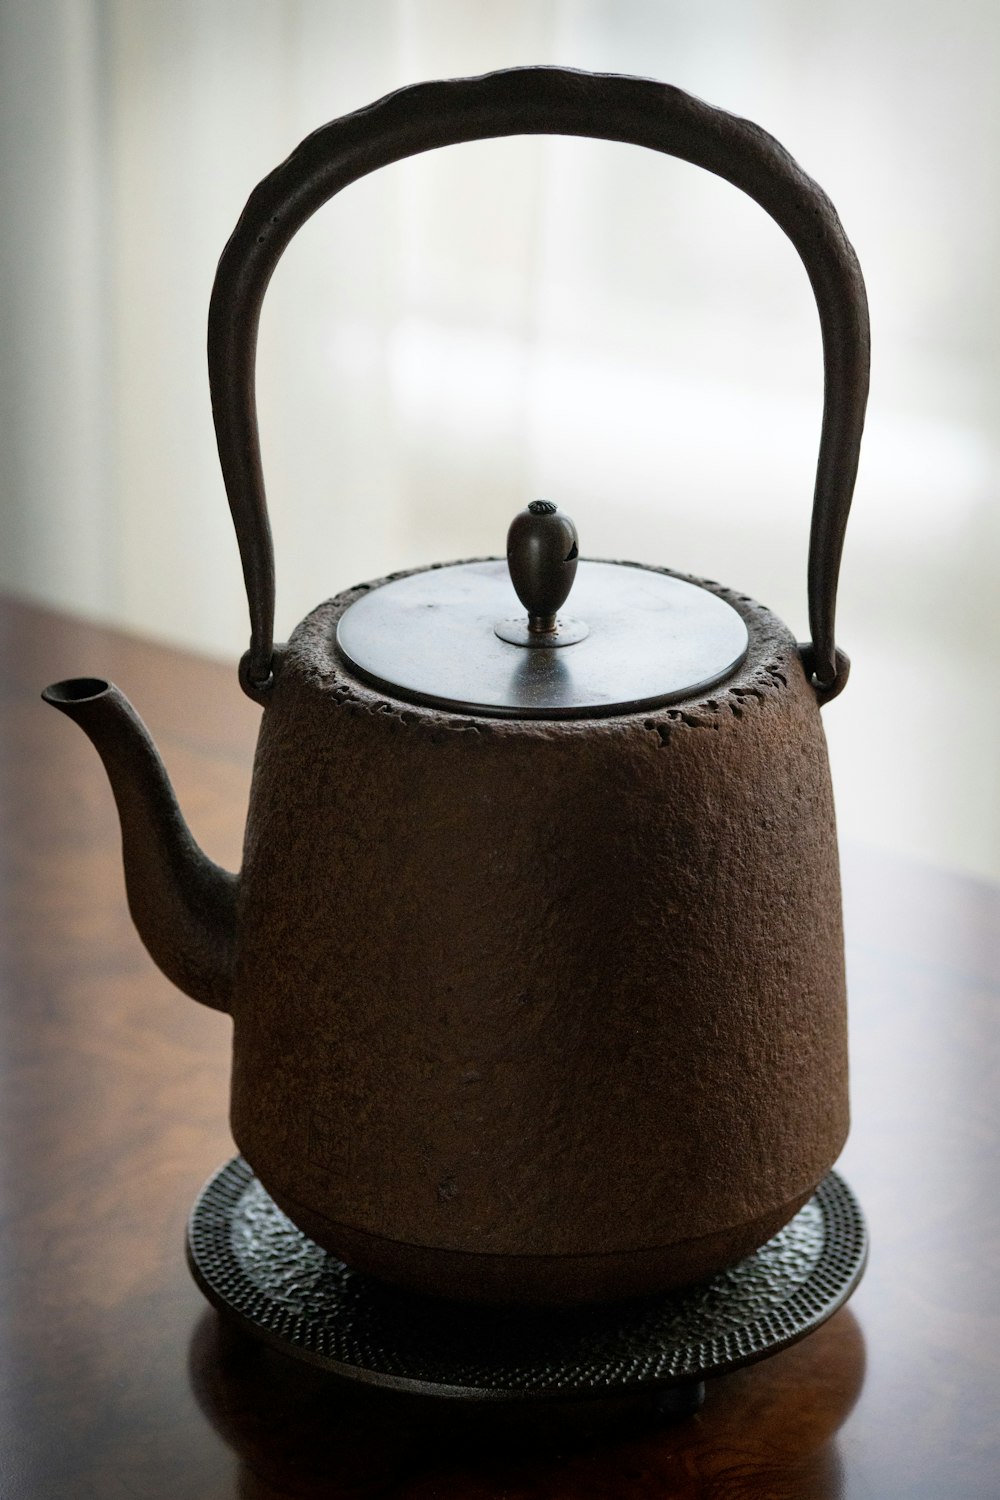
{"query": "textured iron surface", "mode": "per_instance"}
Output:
(487, 962)
(253, 1264)
(435, 914)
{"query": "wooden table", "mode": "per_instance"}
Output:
(117, 1380)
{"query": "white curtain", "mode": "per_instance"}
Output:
(466, 331)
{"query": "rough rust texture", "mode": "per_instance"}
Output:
(537, 989)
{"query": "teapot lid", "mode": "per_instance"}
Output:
(452, 636)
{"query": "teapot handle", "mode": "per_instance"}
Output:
(538, 101)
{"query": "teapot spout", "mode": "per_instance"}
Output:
(183, 905)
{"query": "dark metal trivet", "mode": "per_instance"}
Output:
(257, 1267)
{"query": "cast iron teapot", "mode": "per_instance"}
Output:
(535, 959)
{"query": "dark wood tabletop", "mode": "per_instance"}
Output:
(119, 1382)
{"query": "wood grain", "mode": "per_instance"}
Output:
(115, 1380)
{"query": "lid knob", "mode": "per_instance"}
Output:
(542, 553)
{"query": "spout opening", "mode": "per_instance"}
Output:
(75, 690)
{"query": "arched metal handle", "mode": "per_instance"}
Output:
(538, 101)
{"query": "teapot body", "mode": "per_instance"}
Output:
(540, 1011)
(542, 1001)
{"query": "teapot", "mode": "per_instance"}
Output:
(535, 958)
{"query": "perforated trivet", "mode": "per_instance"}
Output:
(254, 1265)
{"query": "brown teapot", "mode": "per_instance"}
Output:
(535, 959)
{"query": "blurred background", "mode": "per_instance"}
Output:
(464, 332)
